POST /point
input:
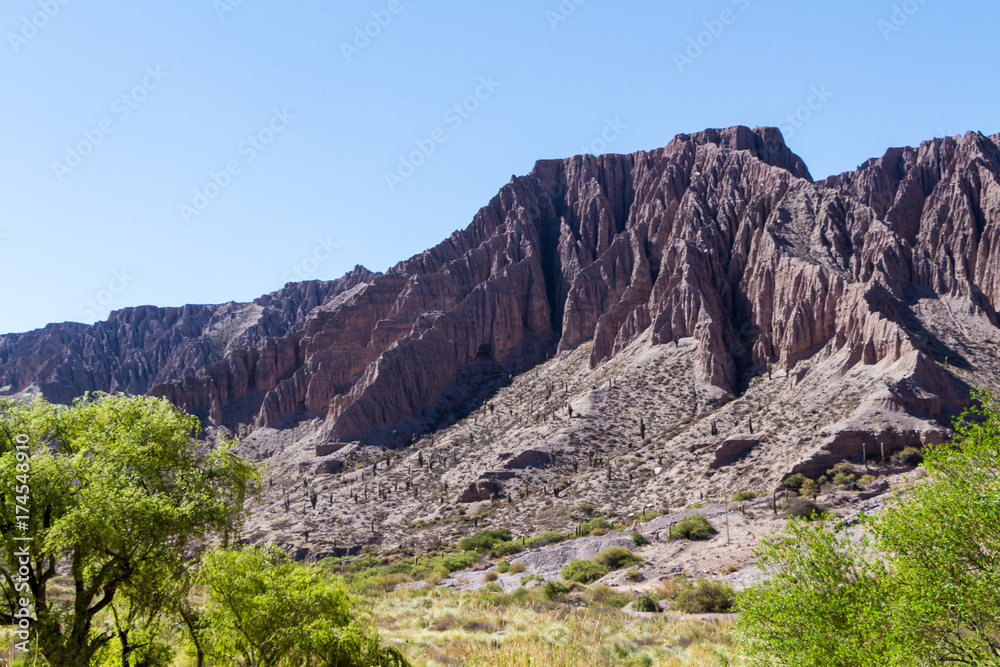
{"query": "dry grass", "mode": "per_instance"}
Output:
(440, 627)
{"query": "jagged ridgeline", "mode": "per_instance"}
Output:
(884, 281)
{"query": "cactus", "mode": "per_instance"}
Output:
(313, 498)
(642, 428)
(750, 423)
(715, 429)
(569, 409)
(420, 459)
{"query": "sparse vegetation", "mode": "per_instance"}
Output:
(583, 571)
(910, 456)
(638, 539)
(616, 558)
(795, 482)
(692, 527)
(646, 602)
(803, 508)
(705, 597)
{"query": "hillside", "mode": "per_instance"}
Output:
(621, 330)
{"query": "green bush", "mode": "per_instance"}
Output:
(598, 525)
(616, 558)
(586, 508)
(638, 539)
(484, 540)
(503, 567)
(910, 456)
(605, 596)
(744, 495)
(583, 571)
(692, 527)
(508, 548)
(531, 577)
(633, 574)
(705, 597)
(550, 590)
(795, 482)
(517, 567)
(844, 478)
(450, 563)
(646, 602)
(804, 508)
(548, 537)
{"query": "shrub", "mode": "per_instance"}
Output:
(866, 480)
(744, 495)
(910, 456)
(633, 574)
(605, 596)
(550, 590)
(548, 537)
(842, 474)
(638, 539)
(531, 577)
(583, 571)
(705, 597)
(795, 482)
(596, 526)
(586, 508)
(517, 567)
(508, 548)
(484, 540)
(804, 508)
(489, 576)
(692, 527)
(616, 558)
(809, 488)
(503, 567)
(646, 602)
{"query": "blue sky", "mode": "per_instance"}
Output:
(204, 151)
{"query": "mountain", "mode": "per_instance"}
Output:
(754, 322)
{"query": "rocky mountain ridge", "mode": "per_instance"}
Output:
(880, 282)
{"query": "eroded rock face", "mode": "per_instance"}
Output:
(721, 236)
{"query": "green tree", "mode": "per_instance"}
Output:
(822, 605)
(921, 587)
(116, 491)
(945, 537)
(265, 610)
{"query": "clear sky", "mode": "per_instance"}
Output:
(203, 151)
